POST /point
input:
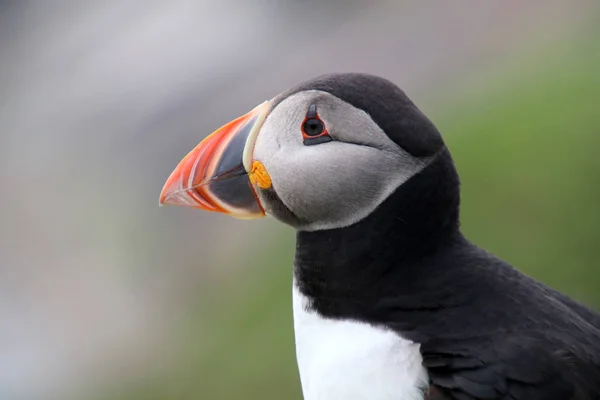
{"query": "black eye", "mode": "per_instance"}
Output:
(313, 127)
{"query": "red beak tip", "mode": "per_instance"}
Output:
(163, 201)
(173, 199)
(170, 191)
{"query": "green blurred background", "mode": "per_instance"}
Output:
(106, 296)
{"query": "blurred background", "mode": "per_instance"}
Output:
(105, 296)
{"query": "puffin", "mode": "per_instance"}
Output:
(390, 300)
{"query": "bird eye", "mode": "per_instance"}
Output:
(313, 128)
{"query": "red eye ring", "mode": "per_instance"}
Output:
(313, 126)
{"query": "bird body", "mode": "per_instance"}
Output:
(391, 300)
(484, 330)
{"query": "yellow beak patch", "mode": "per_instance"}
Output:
(259, 175)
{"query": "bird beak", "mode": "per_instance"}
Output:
(217, 175)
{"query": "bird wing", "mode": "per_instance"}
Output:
(512, 368)
(590, 316)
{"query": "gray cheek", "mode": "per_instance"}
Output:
(270, 149)
(332, 184)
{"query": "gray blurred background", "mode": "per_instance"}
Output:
(105, 296)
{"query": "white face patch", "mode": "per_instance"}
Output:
(333, 184)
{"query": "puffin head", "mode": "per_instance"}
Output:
(322, 155)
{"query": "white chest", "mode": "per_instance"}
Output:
(354, 361)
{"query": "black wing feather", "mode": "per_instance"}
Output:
(511, 367)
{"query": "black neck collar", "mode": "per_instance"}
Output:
(344, 272)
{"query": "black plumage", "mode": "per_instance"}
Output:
(486, 330)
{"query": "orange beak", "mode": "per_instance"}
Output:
(214, 175)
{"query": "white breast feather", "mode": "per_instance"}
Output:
(349, 360)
